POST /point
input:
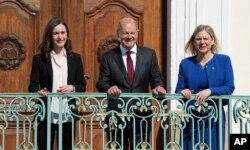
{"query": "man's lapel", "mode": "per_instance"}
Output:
(120, 64)
(139, 64)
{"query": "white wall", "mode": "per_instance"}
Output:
(239, 44)
(231, 21)
(185, 16)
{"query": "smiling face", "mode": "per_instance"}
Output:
(59, 36)
(203, 43)
(128, 33)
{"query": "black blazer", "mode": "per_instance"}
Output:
(42, 74)
(113, 71)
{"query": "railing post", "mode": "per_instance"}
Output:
(48, 122)
(221, 139)
(230, 120)
(60, 122)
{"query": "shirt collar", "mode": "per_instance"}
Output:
(52, 53)
(133, 49)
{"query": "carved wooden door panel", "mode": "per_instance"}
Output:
(96, 22)
(21, 28)
(92, 25)
(91, 22)
(17, 41)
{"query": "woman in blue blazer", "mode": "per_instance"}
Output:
(204, 74)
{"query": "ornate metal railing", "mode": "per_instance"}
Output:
(162, 125)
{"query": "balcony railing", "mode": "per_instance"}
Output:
(21, 113)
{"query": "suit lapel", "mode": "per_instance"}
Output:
(139, 63)
(119, 61)
(49, 68)
(70, 67)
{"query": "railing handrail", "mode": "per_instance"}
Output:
(164, 112)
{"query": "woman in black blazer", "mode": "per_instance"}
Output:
(56, 69)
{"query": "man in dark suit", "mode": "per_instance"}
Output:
(129, 68)
(56, 69)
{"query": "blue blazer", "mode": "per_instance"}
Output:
(219, 73)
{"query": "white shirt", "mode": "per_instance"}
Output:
(60, 77)
(133, 55)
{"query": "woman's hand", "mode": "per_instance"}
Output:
(202, 96)
(186, 93)
(43, 92)
(66, 88)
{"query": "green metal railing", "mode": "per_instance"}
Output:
(25, 111)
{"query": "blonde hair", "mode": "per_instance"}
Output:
(190, 48)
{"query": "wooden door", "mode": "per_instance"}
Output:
(92, 24)
(100, 20)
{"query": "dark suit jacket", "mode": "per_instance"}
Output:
(113, 71)
(42, 74)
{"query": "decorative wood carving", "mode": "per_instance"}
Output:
(11, 51)
(93, 7)
(30, 6)
(103, 12)
(102, 17)
(107, 44)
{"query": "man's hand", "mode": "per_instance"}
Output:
(159, 90)
(114, 91)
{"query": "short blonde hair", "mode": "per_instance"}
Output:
(190, 48)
